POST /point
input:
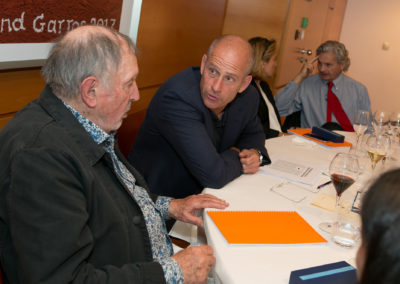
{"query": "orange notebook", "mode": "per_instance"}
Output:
(302, 131)
(264, 227)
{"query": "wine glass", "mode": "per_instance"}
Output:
(343, 170)
(360, 125)
(380, 122)
(395, 125)
(377, 148)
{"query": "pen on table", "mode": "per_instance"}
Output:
(324, 184)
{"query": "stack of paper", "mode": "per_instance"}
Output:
(294, 170)
(264, 227)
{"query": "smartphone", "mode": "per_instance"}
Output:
(317, 137)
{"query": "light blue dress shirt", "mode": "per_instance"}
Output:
(310, 97)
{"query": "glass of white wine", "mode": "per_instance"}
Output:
(360, 125)
(377, 148)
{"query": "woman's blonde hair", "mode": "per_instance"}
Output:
(264, 49)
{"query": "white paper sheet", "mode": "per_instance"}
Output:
(292, 191)
(294, 170)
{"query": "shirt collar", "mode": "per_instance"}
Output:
(98, 134)
(336, 83)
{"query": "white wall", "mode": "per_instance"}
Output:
(367, 25)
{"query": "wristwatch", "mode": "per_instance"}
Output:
(261, 156)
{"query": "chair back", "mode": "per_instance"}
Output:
(128, 131)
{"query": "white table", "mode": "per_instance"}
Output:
(273, 264)
(267, 263)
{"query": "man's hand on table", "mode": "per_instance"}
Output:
(184, 209)
(250, 159)
(196, 263)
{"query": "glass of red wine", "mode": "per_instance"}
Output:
(343, 170)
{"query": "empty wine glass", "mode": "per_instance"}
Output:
(360, 125)
(343, 170)
(395, 125)
(377, 148)
(380, 122)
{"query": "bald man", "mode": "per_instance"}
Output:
(201, 128)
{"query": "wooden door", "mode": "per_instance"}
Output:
(308, 24)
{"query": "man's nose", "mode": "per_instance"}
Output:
(217, 84)
(135, 96)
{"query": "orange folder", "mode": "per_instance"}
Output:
(302, 131)
(264, 227)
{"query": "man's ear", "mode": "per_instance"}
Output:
(342, 66)
(203, 63)
(88, 91)
(246, 82)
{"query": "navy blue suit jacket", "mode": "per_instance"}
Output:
(176, 148)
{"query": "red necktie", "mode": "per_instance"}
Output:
(335, 107)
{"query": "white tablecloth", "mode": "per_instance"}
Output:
(268, 263)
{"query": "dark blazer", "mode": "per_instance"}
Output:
(65, 217)
(263, 112)
(177, 148)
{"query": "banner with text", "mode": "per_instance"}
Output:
(41, 21)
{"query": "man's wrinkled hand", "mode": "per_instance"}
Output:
(184, 209)
(305, 71)
(196, 263)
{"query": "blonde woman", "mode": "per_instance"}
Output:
(265, 62)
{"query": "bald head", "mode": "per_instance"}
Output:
(83, 52)
(237, 46)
